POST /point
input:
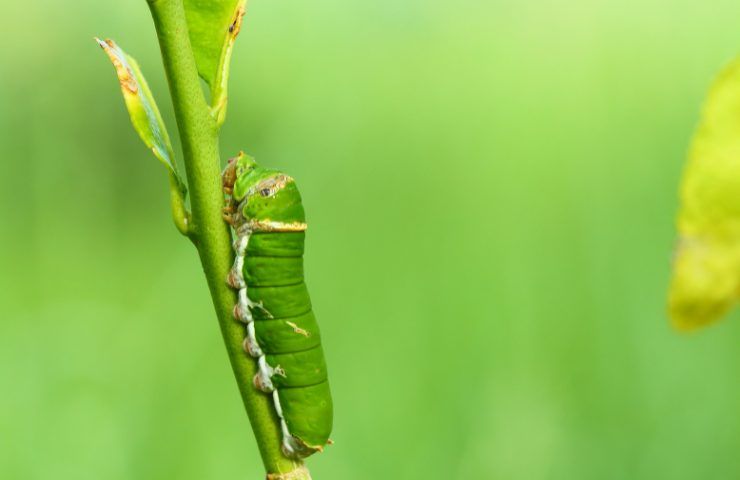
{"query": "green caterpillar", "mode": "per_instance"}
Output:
(267, 217)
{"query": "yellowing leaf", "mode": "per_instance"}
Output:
(706, 270)
(141, 106)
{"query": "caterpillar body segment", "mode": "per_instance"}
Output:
(266, 213)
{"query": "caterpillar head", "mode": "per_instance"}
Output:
(267, 199)
(235, 168)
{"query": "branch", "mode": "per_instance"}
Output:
(199, 136)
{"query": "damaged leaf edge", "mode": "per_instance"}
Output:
(138, 96)
(219, 92)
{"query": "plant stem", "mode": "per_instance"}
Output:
(199, 136)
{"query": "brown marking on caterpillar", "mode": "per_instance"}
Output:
(229, 214)
(298, 330)
(259, 384)
(270, 186)
(240, 314)
(228, 176)
(251, 348)
(233, 280)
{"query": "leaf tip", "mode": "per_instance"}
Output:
(118, 58)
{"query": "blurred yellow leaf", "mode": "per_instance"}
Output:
(706, 270)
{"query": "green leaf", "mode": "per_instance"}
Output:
(141, 106)
(213, 26)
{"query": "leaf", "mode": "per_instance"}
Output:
(213, 26)
(141, 106)
(706, 267)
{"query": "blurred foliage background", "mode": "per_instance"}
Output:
(491, 188)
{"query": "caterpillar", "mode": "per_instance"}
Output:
(265, 211)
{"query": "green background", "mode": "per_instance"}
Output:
(490, 187)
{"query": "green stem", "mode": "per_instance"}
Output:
(199, 136)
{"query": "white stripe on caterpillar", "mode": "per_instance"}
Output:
(288, 445)
(250, 342)
(243, 312)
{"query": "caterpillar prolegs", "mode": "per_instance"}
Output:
(266, 214)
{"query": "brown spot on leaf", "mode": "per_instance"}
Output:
(236, 23)
(123, 71)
